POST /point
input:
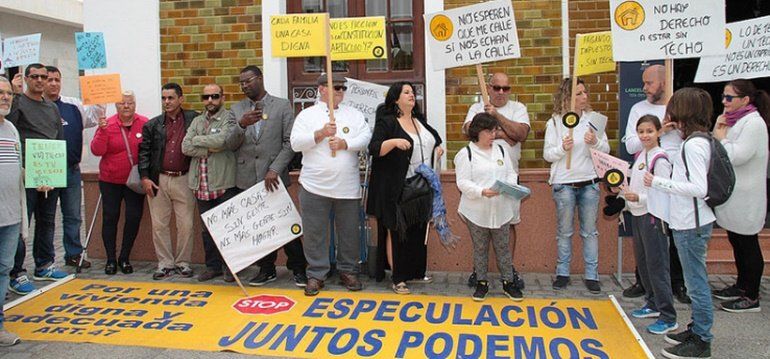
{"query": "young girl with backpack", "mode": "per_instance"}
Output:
(650, 212)
(690, 218)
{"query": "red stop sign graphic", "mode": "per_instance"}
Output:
(264, 304)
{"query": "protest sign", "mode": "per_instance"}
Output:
(748, 53)
(100, 89)
(91, 52)
(21, 50)
(364, 96)
(298, 35)
(473, 34)
(653, 30)
(335, 324)
(358, 38)
(45, 163)
(593, 53)
(253, 224)
(604, 162)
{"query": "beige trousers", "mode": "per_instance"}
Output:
(173, 195)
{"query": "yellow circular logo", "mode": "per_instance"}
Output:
(345, 130)
(296, 228)
(264, 116)
(441, 27)
(728, 38)
(570, 119)
(499, 162)
(641, 166)
(614, 177)
(629, 15)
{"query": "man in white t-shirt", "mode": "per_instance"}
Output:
(329, 181)
(654, 78)
(514, 123)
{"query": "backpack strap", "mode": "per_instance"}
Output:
(470, 157)
(502, 151)
(687, 174)
(655, 158)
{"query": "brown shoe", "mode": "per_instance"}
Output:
(228, 277)
(313, 286)
(350, 281)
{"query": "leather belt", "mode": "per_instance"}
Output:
(583, 183)
(174, 173)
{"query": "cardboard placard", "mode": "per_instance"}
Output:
(298, 35)
(677, 29)
(358, 38)
(100, 89)
(593, 53)
(747, 57)
(45, 163)
(21, 50)
(91, 50)
(364, 96)
(473, 34)
(604, 162)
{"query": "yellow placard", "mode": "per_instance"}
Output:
(358, 38)
(593, 53)
(298, 35)
(100, 89)
(340, 324)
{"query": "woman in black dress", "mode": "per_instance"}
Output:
(401, 141)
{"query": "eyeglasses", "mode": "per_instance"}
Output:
(215, 96)
(499, 88)
(342, 88)
(247, 81)
(38, 77)
(729, 98)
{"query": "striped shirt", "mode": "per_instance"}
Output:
(10, 167)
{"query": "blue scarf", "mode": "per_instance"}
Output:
(440, 223)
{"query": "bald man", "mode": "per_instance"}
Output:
(514, 123)
(654, 78)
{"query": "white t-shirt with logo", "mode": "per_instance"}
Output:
(514, 111)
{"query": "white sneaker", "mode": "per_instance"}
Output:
(8, 339)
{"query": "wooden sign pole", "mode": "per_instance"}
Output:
(669, 64)
(329, 73)
(572, 108)
(482, 85)
(238, 280)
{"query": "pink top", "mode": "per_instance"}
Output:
(108, 143)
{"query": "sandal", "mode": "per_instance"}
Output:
(401, 288)
(424, 280)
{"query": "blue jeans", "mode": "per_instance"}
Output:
(692, 245)
(70, 209)
(587, 201)
(9, 238)
(44, 210)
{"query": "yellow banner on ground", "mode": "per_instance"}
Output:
(288, 324)
(358, 38)
(298, 35)
(593, 53)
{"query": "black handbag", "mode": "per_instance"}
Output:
(415, 204)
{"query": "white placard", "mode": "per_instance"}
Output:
(473, 34)
(21, 50)
(364, 96)
(666, 29)
(253, 224)
(748, 53)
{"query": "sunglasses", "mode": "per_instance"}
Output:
(215, 96)
(729, 98)
(247, 81)
(499, 88)
(342, 88)
(38, 77)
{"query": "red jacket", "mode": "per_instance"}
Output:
(108, 143)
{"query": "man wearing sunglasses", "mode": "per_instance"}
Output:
(330, 182)
(36, 117)
(654, 79)
(261, 137)
(163, 168)
(514, 125)
(212, 165)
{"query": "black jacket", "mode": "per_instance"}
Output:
(153, 144)
(389, 171)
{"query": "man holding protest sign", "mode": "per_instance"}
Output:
(513, 119)
(654, 78)
(12, 201)
(330, 183)
(212, 166)
(36, 117)
(263, 151)
(163, 168)
(75, 118)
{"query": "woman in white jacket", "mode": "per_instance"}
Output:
(577, 187)
(742, 129)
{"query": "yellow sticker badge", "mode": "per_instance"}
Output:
(441, 27)
(499, 162)
(728, 38)
(570, 119)
(629, 15)
(296, 228)
(614, 177)
(345, 130)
